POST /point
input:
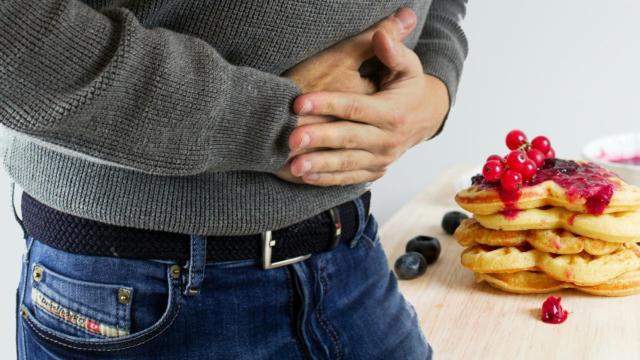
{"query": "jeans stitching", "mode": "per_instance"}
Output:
(196, 263)
(326, 325)
(372, 242)
(294, 318)
(24, 338)
(26, 261)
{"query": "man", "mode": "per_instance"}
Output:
(196, 173)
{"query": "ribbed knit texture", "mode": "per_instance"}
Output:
(171, 114)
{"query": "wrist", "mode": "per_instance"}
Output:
(440, 97)
(440, 103)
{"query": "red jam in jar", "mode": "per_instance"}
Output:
(631, 160)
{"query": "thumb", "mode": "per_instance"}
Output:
(396, 56)
(359, 48)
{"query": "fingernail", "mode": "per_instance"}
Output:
(306, 108)
(404, 18)
(312, 177)
(306, 166)
(306, 139)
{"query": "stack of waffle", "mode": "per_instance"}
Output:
(573, 231)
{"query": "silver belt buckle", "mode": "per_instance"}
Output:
(267, 243)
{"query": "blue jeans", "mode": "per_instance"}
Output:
(341, 304)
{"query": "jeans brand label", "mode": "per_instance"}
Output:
(71, 317)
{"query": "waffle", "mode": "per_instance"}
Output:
(483, 200)
(621, 227)
(471, 233)
(528, 282)
(580, 269)
(573, 225)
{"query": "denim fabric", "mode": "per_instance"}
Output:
(341, 304)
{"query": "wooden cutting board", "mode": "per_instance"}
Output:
(465, 320)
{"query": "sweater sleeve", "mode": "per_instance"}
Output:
(442, 47)
(99, 83)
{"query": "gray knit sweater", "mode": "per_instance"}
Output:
(172, 114)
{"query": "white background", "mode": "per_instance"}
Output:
(566, 69)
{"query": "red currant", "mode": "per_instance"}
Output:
(492, 170)
(511, 181)
(495, 157)
(541, 143)
(515, 139)
(529, 169)
(551, 154)
(516, 160)
(537, 156)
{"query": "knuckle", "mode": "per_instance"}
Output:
(353, 110)
(347, 163)
(390, 24)
(397, 120)
(350, 141)
(390, 154)
(391, 143)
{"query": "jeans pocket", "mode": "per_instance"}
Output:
(80, 308)
(93, 315)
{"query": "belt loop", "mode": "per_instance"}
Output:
(362, 220)
(15, 213)
(197, 263)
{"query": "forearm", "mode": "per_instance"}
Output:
(152, 99)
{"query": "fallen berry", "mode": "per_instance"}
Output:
(410, 266)
(452, 220)
(552, 311)
(427, 246)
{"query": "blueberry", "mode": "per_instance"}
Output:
(410, 266)
(451, 221)
(427, 246)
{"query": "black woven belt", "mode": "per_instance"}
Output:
(74, 234)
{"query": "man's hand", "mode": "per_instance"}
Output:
(336, 69)
(374, 130)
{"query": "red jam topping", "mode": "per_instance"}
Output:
(552, 311)
(581, 181)
(510, 200)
